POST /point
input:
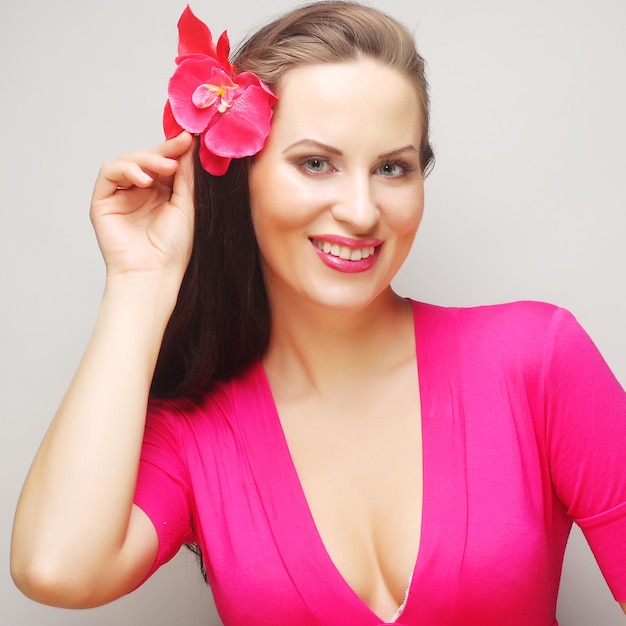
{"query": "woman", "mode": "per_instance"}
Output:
(338, 453)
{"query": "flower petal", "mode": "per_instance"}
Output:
(223, 51)
(242, 130)
(204, 96)
(195, 55)
(170, 125)
(194, 35)
(246, 79)
(212, 163)
(188, 76)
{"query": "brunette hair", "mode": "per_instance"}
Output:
(221, 321)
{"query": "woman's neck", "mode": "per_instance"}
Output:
(320, 350)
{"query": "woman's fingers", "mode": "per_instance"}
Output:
(182, 188)
(141, 169)
(175, 147)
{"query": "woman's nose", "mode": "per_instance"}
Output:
(355, 205)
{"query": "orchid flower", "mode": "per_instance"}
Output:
(230, 112)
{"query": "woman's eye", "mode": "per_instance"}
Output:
(393, 170)
(315, 165)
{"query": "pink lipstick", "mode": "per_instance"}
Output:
(347, 255)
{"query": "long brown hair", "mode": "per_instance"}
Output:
(221, 321)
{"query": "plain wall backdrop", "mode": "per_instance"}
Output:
(527, 201)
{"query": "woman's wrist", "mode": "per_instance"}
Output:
(143, 290)
(136, 309)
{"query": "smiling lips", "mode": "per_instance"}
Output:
(347, 255)
(344, 252)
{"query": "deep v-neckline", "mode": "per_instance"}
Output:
(330, 598)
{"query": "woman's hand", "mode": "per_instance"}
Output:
(142, 210)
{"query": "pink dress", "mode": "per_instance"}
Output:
(524, 431)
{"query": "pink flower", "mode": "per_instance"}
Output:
(231, 112)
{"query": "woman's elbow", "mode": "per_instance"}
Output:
(49, 582)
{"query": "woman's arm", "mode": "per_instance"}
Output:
(77, 539)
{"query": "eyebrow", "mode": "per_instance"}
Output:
(312, 143)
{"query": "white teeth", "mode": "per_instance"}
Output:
(344, 252)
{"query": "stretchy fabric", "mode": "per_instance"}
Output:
(524, 431)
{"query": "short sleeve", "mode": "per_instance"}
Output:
(162, 489)
(585, 407)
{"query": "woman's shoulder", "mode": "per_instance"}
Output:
(212, 405)
(522, 329)
(526, 309)
(518, 317)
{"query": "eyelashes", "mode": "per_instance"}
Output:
(314, 165)
(395, 169)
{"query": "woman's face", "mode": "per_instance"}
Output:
(337, 192)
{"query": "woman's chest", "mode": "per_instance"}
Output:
(358, 459)
(304, 501)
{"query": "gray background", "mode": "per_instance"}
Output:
(527, 201)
